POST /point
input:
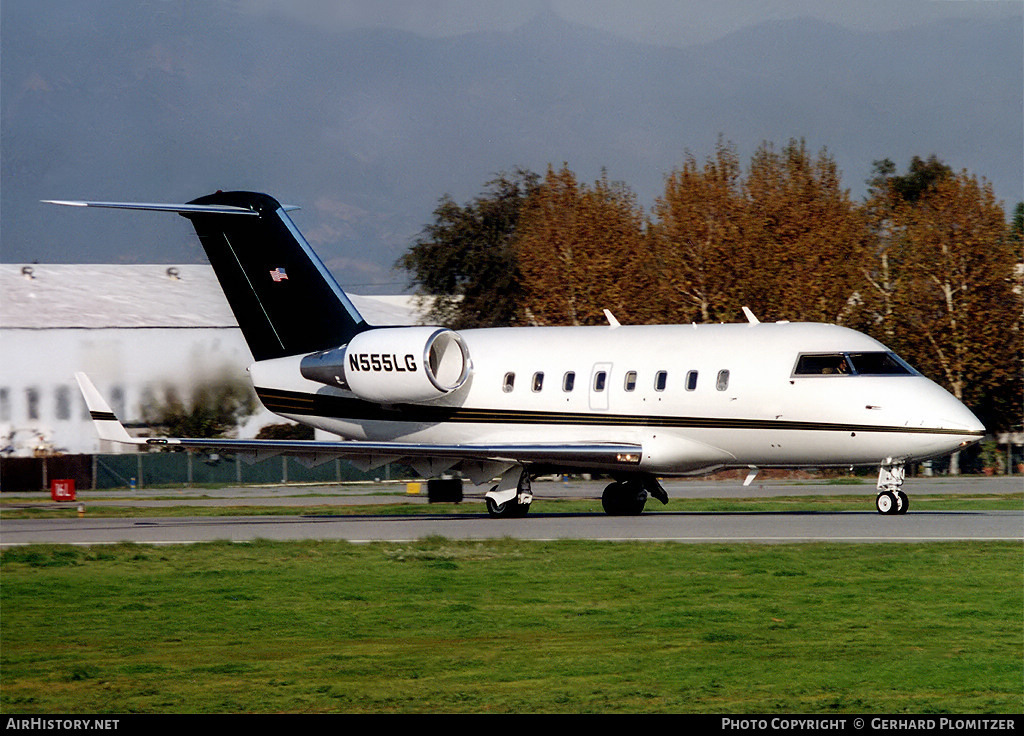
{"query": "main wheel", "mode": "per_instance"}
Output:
(624, 499)
(886, 502)
(508, 510)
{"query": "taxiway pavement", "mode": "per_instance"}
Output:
(919, 525)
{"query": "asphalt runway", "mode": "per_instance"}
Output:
(919, 525)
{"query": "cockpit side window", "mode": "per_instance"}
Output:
(833, 364)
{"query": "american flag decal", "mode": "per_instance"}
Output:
(278, 274)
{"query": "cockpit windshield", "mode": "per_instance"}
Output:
(879, 364)
(852, 364)
(822, 365)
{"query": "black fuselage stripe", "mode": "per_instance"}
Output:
(344, 408)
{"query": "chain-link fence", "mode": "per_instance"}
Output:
(154, 469)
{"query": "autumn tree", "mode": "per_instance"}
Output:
(885, 267)
(465, 259)
(960, 317)
(942, 285)
(582, 249)
(783, 240)
(803, 237)
(697, 241)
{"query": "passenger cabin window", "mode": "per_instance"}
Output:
(568, 381)
(723, 380)
(691, 381)
(599, 379)
(510, 382)
(630, 382)
(660, 379)
(538, 381)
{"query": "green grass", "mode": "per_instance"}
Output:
(507, 626)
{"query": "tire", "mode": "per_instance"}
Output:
(508, 510)
(886, 503)
(904, 502)
(624, 499)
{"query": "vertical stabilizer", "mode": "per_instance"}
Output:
(284, 298)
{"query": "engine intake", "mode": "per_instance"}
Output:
(394, 364)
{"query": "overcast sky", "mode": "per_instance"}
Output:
(160, 100)
(663, 22)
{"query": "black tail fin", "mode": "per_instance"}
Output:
(284, 298)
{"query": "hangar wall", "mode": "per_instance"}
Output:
(137, 330)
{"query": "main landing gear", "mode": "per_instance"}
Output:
(514, 509)
(890, 499)
(628, 497)
(511, 498)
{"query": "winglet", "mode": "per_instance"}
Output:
(107, 425)
(750, 316)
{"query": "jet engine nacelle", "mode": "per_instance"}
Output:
(389, 365)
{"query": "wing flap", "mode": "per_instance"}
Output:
(581, 454)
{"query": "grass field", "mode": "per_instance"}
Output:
(505, 626)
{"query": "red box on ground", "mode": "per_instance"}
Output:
(62, 489)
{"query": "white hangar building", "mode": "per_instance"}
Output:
(137, 330)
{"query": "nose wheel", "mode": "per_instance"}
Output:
(892, 502)
(890, 499)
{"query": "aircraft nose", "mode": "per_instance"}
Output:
(930, 405)
(953, 415)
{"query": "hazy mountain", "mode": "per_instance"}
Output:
(367, 129)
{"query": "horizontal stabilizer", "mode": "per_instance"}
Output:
(183, 209)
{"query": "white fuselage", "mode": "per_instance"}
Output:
(696, 397)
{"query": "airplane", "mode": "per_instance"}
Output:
(634, 403)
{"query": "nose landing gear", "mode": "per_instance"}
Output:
(890, 499)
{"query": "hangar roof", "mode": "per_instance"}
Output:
(48, 296)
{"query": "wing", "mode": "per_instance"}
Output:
(480, 462)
